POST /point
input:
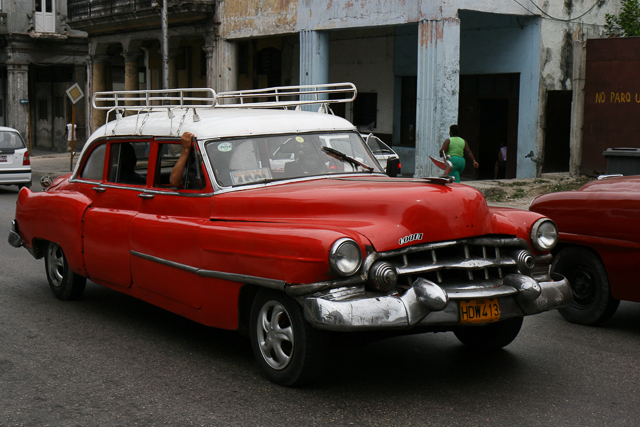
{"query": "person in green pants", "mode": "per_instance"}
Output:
(456, 148)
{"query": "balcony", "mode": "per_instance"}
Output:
(100, 17)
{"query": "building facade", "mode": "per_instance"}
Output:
(504, 70)
(41, 58)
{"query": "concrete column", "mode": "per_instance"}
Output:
(131, 79)
(314, 60)
(17, 89)
(99, 84)
(173, 68)
(577, 105)
(314, 57)
(438, 88)
(222, 65)
(210, 64)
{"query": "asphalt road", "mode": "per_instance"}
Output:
(111, 360)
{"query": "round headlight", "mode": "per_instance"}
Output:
(345, 257)
(544, 235)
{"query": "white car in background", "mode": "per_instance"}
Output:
(15, 164)
(387, 158)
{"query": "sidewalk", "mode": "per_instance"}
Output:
(518, 192)
(50, 163)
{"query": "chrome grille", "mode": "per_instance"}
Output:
(466, 260)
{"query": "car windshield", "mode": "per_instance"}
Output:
(10, 140)
(269, 158)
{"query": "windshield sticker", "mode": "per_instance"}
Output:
(225, 147)
(410, 238)
(300, 139)
(249, 176)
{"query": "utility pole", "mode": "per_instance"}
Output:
(165, 44)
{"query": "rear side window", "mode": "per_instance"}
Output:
(10, 141)
(128, 163)
(95, 164)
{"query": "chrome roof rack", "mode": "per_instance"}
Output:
(146, 101)
(288, 96)
(167, 99)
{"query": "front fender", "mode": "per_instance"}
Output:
(292, 253)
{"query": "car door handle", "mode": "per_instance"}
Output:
(99, 189)
(146, 196)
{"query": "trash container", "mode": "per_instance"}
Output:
(624, 161)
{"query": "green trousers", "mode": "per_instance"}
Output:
(458, 166)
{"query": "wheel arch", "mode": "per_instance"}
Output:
(560, 246)
(245, 300)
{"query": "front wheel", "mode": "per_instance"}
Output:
(288, 349)
(490, 337)
(592, 300)
(65, 284)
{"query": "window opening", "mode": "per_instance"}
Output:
(128, 163)
(94, 165)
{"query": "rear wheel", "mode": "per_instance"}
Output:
(65, 284)
(490, 337)
(592, 300)
(288, 349)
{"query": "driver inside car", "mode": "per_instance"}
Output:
(184, 174)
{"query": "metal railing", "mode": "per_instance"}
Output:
(274, 97)
(85, 9)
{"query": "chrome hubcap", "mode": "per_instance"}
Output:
(275, 335)
(55, 264)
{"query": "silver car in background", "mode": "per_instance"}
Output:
(15, 164)
(387, 158)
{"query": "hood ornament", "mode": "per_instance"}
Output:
(445, 164)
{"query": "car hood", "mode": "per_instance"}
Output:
(390, 212)
(614, 183)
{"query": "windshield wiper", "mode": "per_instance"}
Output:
(343, 157)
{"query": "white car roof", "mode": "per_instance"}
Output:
(223, 123)
(8, 129)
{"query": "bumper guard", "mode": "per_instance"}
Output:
(428, 304)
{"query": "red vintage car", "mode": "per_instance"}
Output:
(599, 245)
(282, 224)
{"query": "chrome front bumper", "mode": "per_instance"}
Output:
(428, 304)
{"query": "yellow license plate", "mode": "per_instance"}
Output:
(479, 310)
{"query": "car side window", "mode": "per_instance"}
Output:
(128, 163)
(168, 155)
(94, 166)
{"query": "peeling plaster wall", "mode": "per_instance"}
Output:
(254, 18)
(556, 48)
(539, 46)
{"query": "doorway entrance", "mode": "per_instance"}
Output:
(488, 118)
(557, 134)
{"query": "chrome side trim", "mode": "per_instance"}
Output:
(233, 277)
(101, 187)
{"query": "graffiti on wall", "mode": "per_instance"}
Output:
(617, 97)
